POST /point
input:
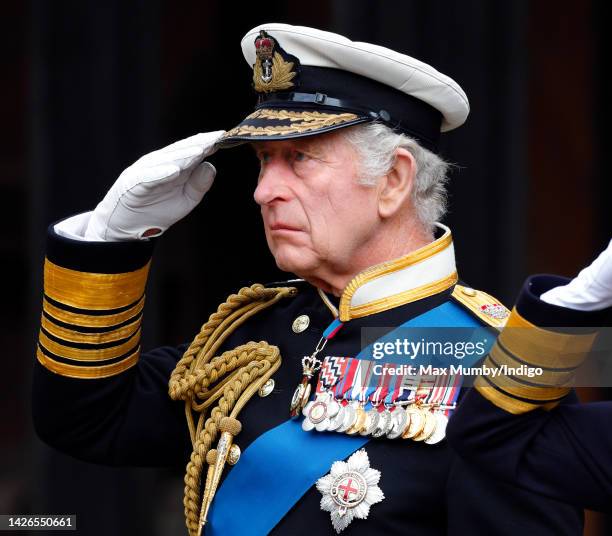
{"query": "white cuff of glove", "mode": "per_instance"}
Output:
(590, 290)
(74, 227)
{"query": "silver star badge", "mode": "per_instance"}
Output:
(349, 489)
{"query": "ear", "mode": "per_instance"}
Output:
(395, 187)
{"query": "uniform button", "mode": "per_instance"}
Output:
(300, 323)
(468, 291)
(266, 388)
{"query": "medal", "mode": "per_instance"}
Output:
(310, 365)
(428, 427)
(350, 414)
(425, 395)
(359, 421)
(336, 422)
(319, 412)
(349, 490)
(384, 424)
(441, 401)
(301, 394)
(416, 424)
(440, 430)
(307, 424)
(331, 409)
(399, 419)
(389, 393)
(372, 417)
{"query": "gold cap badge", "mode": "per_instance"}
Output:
(274, 69)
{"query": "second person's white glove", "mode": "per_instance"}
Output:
(155, 191)
(590, 290)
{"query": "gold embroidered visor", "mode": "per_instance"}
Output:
(266, 124)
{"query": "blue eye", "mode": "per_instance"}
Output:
(299, 157)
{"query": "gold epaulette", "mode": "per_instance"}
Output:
(482, 305)
(90, 325)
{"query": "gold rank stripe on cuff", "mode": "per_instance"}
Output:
(85, 320)
(86, 290)
(511, 404)
(92, 372)
(104, 337)
(523, 386)
(521, 343)
(90, 325)
(102, 353)
(538, 347)
(498, 357)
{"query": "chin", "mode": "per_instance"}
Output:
(289, 260)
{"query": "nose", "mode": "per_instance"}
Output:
(273, 182)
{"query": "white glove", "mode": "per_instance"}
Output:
(590, 290)
(155, 191)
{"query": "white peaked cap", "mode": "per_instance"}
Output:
(309, 81)
(406, 74)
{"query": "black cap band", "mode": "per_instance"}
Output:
(337, 90)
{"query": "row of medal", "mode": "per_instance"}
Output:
(350, 399)
(325, 414)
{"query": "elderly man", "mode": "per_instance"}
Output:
(350, 191)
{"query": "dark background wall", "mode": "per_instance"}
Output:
(90, 86)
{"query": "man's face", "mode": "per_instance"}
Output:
(319, 221)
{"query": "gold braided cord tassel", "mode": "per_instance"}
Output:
(200, 379)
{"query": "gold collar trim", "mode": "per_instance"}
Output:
(417, 275)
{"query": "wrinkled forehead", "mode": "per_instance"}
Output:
(318, 143)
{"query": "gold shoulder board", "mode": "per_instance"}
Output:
(482, 305)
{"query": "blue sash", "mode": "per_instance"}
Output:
(281, 465)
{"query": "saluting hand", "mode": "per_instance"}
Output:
(590, 290)
(156, 191)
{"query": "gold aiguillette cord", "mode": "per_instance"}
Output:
(202, 379)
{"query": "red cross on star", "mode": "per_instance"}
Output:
(347, 488)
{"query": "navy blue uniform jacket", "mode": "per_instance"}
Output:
(99, 399)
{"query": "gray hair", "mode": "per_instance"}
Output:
(376, 144)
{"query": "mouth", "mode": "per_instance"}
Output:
(279, 227)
